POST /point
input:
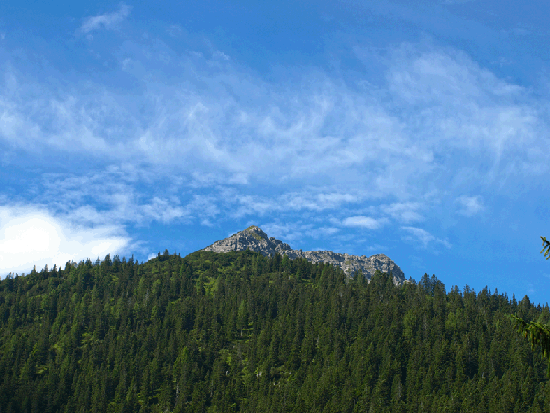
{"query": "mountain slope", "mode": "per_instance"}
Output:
(243, 332)
(254, 239)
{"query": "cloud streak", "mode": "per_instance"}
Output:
(328, 130)
(470, 205)
(364, 222)
(419, 235)
(106, 21)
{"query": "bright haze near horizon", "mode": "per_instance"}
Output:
(415, 129)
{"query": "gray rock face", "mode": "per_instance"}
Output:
(254, 239)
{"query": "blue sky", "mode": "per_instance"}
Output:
(418, 131)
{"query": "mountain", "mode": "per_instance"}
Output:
(254, 239)
(244, 332)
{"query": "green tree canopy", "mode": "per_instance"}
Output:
(537, 334)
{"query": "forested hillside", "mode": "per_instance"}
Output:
(242, 332)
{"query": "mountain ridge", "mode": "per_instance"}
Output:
(255, 239)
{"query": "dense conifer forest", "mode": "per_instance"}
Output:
(243, 332)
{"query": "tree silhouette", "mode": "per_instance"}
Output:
(545, 247)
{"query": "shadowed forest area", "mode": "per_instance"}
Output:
(242, 332)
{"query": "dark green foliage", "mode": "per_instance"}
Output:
(537, 333)
(242, 332)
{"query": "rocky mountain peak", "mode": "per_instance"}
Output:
(254, 239)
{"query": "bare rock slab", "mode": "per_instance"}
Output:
(254, 239)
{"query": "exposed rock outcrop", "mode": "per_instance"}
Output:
(254, 239)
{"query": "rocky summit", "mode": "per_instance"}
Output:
(254, 239)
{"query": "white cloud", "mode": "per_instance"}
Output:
(403, 211)
(424, 237)
(117, 200)
(32, 236)
(286, 232)
(162, 210)
(467, 113)
(442, 123)
(308, 199)
(364, 222)
(470, 205)
(208, 132)
(107, 20)
(232, 127)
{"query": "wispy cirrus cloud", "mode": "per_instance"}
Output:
(106, 20)
(118, 200)
(404, 211)
(308, 199)
(364, 222)
(470, 205)
(423, 237)
(218, 131)
(471, 112)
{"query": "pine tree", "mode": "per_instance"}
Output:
(537, 334)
